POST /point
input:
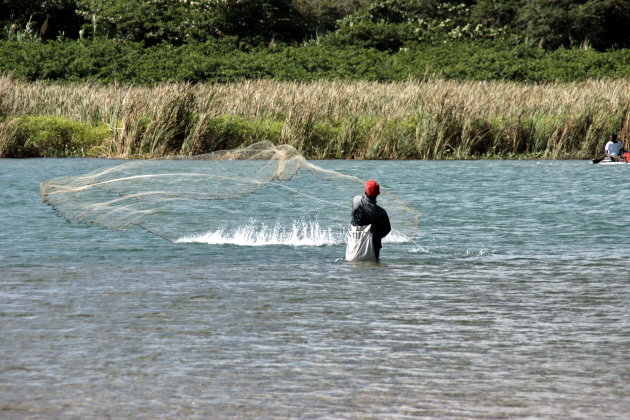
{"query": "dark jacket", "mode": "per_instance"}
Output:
(366, 212)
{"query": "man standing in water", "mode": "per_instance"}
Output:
(365, 211)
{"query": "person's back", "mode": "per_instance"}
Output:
(365, 211)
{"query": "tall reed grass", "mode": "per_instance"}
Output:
(428, 119)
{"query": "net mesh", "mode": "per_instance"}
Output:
(260, 194)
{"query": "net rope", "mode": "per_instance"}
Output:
(191, 196)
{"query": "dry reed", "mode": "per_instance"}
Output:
(431, 119)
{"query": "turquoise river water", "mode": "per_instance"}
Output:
(512, 302)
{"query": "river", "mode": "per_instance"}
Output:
(513, 301)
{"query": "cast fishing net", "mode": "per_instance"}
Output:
(256, 195)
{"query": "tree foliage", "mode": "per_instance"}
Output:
(321, 16)
(149, 41)
(603, 24)
(387, 25)
(39, 19)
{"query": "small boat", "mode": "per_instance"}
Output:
(609, 161)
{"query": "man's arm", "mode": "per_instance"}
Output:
(384, 226)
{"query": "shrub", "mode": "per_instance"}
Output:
(219, 61)
(49, 136)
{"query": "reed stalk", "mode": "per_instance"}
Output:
(429, 119)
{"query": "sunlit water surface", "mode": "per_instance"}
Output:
(512, 302)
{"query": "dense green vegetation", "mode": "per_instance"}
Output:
(181, 50)
(383, 24)
(48, 136)
(144, 42)
(109, 61)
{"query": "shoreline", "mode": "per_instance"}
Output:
(414, 120)
(515, 159)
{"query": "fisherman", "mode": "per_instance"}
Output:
(614, 149)
(365, 211)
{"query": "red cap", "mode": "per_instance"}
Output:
(371, 188)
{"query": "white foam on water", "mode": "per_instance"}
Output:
(300, 233)
(396, 237)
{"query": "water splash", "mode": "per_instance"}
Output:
(300, 233)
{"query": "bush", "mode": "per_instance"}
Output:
(218, 61)
(48, 136)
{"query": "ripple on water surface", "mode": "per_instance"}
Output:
(512, 302)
